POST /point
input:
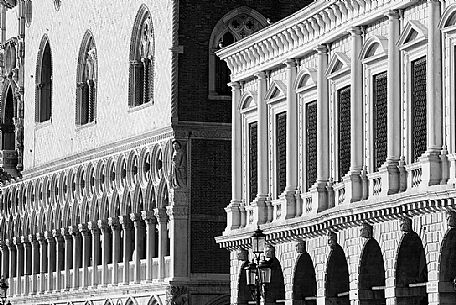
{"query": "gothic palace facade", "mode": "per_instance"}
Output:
(115, 147)
(344, 152)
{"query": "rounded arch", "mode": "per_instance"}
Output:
(411, 268)
(447, 264)
(337, 278)
(304, 280)
(306, 78)
(220, 300)
(248, 101)
(375, 46)
(448, 17)
(371, 274)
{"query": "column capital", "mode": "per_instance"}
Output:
(177, 212)
(290, 63)
(392, 14)
(32, 238)
(17, 240)
(322, 49)
(234, 85)
(135, 217)
(25, 240)
(73, 230)
(355, 31)
(40, 237)
(93, 227)
(83, 229)
(161, 215)
(148, 217)
(103, 225)
(260, 75)
(9, 243)
(48, 236)
(125, 222)
(56, 233)
(65, 232)
(114, 223)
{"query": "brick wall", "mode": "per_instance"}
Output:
(198, 18)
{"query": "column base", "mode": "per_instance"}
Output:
(386, 181)
(319, 198)
(259, 211)
(233, 214)
(288, 205)
(451, 169)
(353, 185)
(431, 169)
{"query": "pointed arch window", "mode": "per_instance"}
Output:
(234, 26)
(86, 92)
(43, 98)
(141, 80)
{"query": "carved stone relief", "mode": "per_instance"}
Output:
(179, 171)
(366, 231)
(177, 295)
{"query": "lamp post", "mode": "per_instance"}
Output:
(258, 272)
(3, 289)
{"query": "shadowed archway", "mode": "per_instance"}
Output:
(337, 280)
(304, 281)
(371, 282)
(447, 272)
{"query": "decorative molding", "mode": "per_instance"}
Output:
(367, 231)
(269, 252)
(413, 33)
(332, 239)
(338, 64)
(300, 247)
(406, 225)
(451, 219)
(177, 295)
(242, 255)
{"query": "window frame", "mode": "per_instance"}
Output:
(39, 122)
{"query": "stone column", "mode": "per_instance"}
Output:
(232, 210)
(139, 232)
(12, 265)
(127, 227)
(431, 165)
(150, 220)
(68, 239)
(260, 214)
(60, 258)
(27, 271)
(5, 259)
(43, 261)
(179, 237)
(51, 256)
(115, 227)
(288, 209)
(319, 189)
(83, 229)
(162, 219)
(104, 229)
(77, 244)
(352, 181)
(35, 262)
(19, 264)
(93, 227)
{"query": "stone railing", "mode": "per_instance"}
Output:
(414, 172)
(339, 193)
(306, 203)
(375, 184)
(300, 33)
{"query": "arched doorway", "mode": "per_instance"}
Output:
(304, 281)
(371, 282)
(447, 272)
(411, 272)
(337, 281)
(275, 291)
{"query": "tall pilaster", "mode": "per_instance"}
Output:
(12, 265)
(105, 251)
(85, 236)
(162, 219)
(232, 210)
(68, 257)
(115, 227)
(319, 189)
(51, 251)
(127, 227)
(5, 259)
(77, 244)
(431, 165)
(59, 258)
(260, 214)
(139, 246)
(288, 209)
(352, 181)
(151, 222)
(93, 227)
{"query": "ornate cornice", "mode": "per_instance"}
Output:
(393, 207)
(8, 3)
(321, 22)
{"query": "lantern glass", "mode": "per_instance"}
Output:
(258, 241)
(250, 273)
(265, 275)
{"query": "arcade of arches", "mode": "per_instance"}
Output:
(403, 261)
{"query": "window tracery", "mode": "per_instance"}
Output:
(43, 99)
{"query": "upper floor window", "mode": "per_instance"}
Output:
(141, 81)
(234, 26)
(43, 98)
(86, 81)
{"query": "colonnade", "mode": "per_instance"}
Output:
(97, 253)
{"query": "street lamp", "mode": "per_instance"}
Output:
(3, 289)
(258, 272)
